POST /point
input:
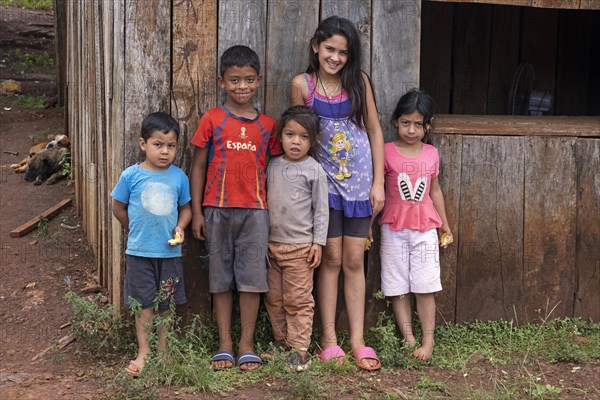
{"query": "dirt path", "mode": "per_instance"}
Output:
(37, 270)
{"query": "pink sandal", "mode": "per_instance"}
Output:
(332, 353)
(366, 353)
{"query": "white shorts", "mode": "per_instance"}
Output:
(410, 261)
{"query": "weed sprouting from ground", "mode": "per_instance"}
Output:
(42, 228)
(99, 329)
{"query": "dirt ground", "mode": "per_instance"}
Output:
(37, 270)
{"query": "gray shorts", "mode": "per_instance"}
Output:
(154, 279)
(236, 241)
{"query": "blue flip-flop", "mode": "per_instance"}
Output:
(223, 355)
(248, 357)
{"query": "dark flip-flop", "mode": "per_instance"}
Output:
(223, 355)
(248, 357)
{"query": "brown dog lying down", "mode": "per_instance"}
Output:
(47, 164)
(62, 141)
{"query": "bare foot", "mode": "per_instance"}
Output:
(424, 352)
(135, 367)
(368, 363)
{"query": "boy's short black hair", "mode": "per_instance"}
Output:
(159, 121)
(239, 56)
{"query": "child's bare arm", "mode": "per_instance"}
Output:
(375, 133)
(438, 202)
(119, 210)
(298, 91)
(197, 180)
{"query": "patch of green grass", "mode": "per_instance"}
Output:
(425, 382)
(26, 101)
(29, 4)
(187, 366)
(502, 342)
(27, 61)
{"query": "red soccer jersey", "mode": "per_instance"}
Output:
(237, 148)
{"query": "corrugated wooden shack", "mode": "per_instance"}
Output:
(522, 193)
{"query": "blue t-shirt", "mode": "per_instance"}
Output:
(152, 200)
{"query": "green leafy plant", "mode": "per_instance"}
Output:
(23, 100)
(426, 382)
(29, 4)
(42, 228)
(99, 328)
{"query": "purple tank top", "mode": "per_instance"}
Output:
(344, 151)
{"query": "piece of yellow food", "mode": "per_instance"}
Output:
(368, 244)
(176, 239)
(444, 240)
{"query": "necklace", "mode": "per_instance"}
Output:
(332, 93)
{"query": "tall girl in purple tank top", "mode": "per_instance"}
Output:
(350, 149)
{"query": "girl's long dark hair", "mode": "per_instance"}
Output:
(352, 80)
(417, 100)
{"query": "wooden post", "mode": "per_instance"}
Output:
(244, 22)
(286, 19)
(60, 43)
(193, 93)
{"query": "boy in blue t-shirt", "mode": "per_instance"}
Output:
(152, 199)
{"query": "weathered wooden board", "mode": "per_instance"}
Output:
(290, 28)
(60, 34)
(244, 23)
(395, 54)
(573, 63)
(491, 228)
(147, 83)
(593, 106)
(589, 5)
(436, 53)
(194, 92)
(537, 25)
(194, 69)
(471, 58)
(574, 4)
(91, 130)
(503, 2)
(107, 13)
(504, 57)
(512, 125)
(550, 220)
(357, 11)
(587, 299)
(100, 150)
(450, 151)
(34, 222)
(117, 139)
(569, 4)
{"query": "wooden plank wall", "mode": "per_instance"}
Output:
(194, 92)
(524, 209)
(129, 58)
(471, 51)
(564, 4)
